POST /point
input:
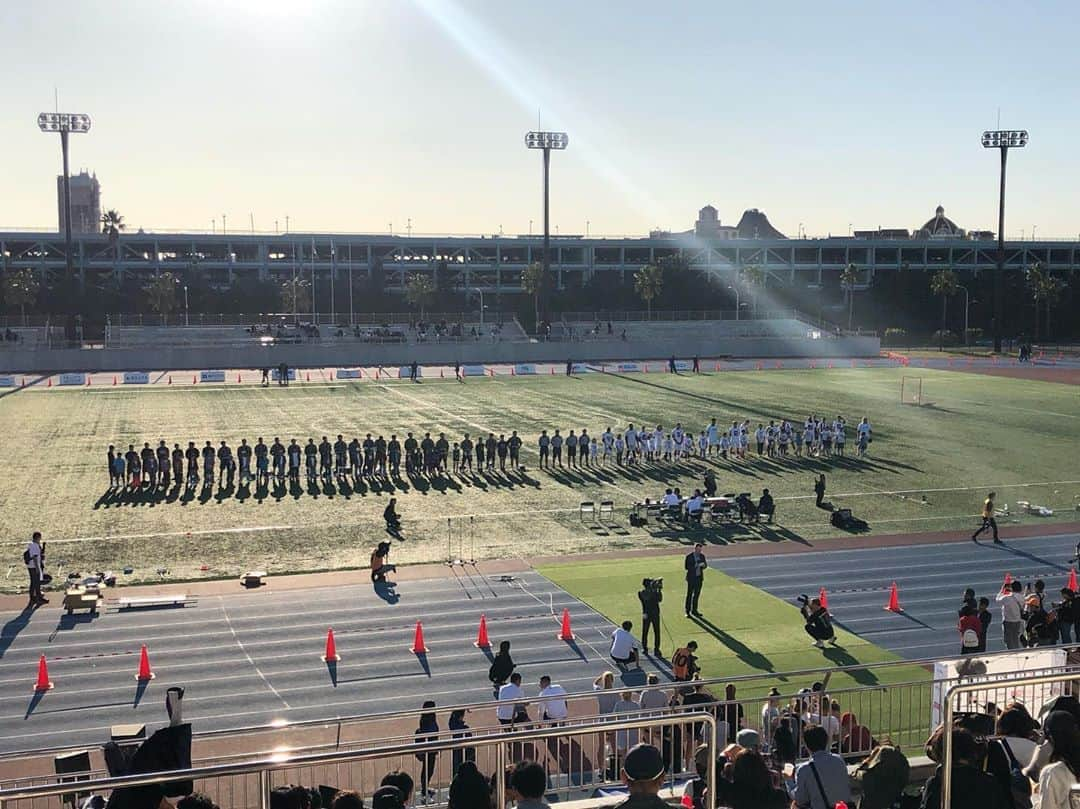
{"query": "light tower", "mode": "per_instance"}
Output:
(546, 141)
(1003, 139)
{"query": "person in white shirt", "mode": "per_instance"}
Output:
(694, 506)
(770, 717)
(511, 707)
(713, 433)
(34, 557)
(1012, 621)
(624, 646)
(831, 722)
(670, 499)
(1057, 777)
(625, 739)
(552, 701)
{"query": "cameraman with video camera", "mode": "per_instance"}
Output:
(818, 623)
(650, 595)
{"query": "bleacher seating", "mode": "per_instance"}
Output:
(675, 330)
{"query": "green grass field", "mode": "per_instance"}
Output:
(979, 432)
(745, 632)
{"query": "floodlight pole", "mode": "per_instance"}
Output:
(69, 265)
(1001, 140)
(546, 141)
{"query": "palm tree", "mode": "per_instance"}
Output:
(20, 289)
(849, 276)
(944, 283)
(111, 225)
(419, 290)
(535, 282)
(1045, 289)
(296, 295)
(757, 279)
(648, 282)
(161, 294)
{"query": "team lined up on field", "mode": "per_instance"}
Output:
(815, 437)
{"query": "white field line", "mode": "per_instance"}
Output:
(254, 665)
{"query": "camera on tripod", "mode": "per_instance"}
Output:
(655, 585)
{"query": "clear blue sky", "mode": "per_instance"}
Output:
(352, 114)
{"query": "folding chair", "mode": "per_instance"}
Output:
(607, 508)
(587, 507)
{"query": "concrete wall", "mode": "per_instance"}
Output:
(347, 355)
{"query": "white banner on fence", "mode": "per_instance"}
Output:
(72, 379)
(275, 374)
(684, 365)
(136, 378)
(213, 376)
(628, 367)
(581, 368)
(7, 382)
(524, 369)
(404, 372)
(347, 373)
(473, 370)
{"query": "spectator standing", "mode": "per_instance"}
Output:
(1068, 615)
(770, 716)
(732, 713)
(501, 667)
(650, 598)
(985, 619)
(34, 559)
(459, 729)
(1056, 779)
(428, 731)
(625, 739)
(819, 490)
(1012, 622)
(823, 781)
(511, 708)
(969, 628)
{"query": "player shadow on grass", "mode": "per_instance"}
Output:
(747, 655)
(839, 656)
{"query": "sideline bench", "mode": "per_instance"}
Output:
(141, 602)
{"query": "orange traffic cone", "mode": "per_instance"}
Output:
(894, 600)
(564, 631)
(170, 379)
(1072, 579)
(194, 379)
(43, 682)
(512, 372)
(144, 674)
(238, 379)
(482, 641)
(331, 655)
(779, 364)
(50, 382)
(114, 379)
(309, 376)
(418, 647)
(823, 597)
(831, 366)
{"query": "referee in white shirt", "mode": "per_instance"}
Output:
(552, 701)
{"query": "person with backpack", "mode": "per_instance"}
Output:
(823, 781)
(969, 628)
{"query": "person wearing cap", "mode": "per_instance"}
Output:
(401, 783)
(643, 774)
(387, 797)
(748, 739)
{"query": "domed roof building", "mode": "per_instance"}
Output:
(940, 227)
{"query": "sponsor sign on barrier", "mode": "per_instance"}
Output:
(7, 382)
(473, 370)
(684, 365)
(214, 376)
(347, 373)
(581, 368)
(404, 372)
(136, 378)
(72, 379)
(275, 374)
(628, 367)
(525, 368)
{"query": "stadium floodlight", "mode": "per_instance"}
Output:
(546, 141)
(64, 123)
(1003, 140)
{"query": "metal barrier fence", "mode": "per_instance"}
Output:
(1027, 690)
(577, 758)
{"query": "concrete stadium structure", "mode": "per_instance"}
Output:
(494, 263)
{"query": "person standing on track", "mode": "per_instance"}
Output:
(988, 520)
(1012, 621)
(34, 558)
(695, 564)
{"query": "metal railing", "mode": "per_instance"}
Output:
(575, 756)
(982, 691)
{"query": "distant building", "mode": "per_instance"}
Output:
(755, 225)
(85, 203)
(940, 227)
(708, 225)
